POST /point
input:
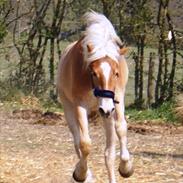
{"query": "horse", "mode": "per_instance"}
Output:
(92, 75)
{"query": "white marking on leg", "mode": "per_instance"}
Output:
(125, 168)
(90, 178)
(124, 151)
(110, 148)
(125, 156)
(106, 69)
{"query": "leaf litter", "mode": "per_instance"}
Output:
(35, 151)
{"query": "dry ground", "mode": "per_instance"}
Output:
(39, 149)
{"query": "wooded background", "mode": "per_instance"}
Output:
(34, 33)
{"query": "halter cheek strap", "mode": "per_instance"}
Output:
(104, 93)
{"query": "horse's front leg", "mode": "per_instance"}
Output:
(125, 167)
(80, 173)
(110, 148)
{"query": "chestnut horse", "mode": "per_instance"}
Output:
(92, 76)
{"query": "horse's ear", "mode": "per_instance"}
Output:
(123, 51)
(90, 48)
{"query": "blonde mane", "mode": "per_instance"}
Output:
(101, 35)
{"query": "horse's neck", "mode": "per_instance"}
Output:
(80, 76)
(78, 59)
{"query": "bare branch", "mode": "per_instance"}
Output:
(19, 17)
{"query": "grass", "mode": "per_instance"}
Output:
(165, 113)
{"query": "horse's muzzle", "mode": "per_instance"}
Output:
(105, 114)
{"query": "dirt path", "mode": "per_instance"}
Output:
(37, 153)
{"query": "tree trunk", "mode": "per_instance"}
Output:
(52, 48)
(136, 60)
(141, 68)
(172, 73)
(159, 82)
(150, 85)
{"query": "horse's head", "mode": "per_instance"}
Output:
(104, 77)
(101, 51)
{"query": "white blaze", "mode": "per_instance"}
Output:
(106, 103)
(106, 69)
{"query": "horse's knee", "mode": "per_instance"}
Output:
(109, 157)
(121, 125)
(121, 129)
(85, 147)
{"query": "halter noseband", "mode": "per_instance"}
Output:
(103, 93)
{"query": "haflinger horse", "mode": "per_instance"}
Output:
(92, 76)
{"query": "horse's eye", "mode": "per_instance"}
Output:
(117, 74)
(93, 74)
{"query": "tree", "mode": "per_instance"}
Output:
(5, 9)
(165, 76)
(138, 17)
(107, 7)
(42, 30)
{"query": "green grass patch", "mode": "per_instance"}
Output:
(164, 113)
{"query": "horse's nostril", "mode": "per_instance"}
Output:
(101, 111)
(112, 109)
(104, 113)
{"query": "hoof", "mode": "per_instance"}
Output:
(126, 174)
(126, 169)
(76, 178)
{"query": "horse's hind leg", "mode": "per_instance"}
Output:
(125, 168)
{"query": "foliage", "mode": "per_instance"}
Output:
(165, 113)
(135, 27)
(30, 80)
(45, 19)
(3, 28)
(137, 20)
(165, 77)
(9, 93)
(3, 31)
(38, 26)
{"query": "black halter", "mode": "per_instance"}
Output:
(103, 93)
